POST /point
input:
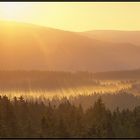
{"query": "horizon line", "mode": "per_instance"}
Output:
(45, 26)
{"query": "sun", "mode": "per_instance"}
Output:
(13, 10)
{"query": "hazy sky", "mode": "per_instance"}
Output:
(75, 16)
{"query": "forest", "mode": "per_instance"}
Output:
(57, 104)
(69, 70)
(22, 119)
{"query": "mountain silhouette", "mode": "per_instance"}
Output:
(31, 47)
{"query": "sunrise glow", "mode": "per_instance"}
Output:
(75, 16)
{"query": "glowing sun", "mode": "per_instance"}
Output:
(13, 10)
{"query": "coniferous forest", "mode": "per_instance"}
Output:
(69, 70)
(110, 109)
(23, 119)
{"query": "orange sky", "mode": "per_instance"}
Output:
(75, 16)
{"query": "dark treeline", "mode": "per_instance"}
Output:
(44, 80)
(120, 99)
(124, 74)
(52, 80)
(20, 118)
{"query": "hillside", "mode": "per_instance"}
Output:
(31, 47)
(115, 36)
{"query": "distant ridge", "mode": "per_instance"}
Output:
(116, 36)
(30, 47)
(125, 74)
